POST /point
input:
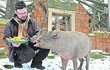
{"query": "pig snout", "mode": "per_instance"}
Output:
(38, 43)
(33, 39)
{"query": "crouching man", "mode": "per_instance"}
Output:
(23, 25)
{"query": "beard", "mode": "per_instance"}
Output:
(23, 19)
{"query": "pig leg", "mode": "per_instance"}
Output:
(74, 63)
(64, 63)
(81, 63)
(87, 61)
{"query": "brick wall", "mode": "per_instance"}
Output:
(101, 42)
(38, 14)
(81, 19)
(2, 43)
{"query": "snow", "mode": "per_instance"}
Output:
(55, 64)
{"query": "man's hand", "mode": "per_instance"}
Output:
(16, 44)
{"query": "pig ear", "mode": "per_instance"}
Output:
(55, 36)
(39, 33)
(42, 31)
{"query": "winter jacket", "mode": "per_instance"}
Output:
(11, 30)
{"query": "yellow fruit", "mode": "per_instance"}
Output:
(12, 38)
(16, 38)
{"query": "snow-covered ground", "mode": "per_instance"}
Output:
(55, 64)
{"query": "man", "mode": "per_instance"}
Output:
(28, 28)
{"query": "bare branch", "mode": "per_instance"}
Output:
(91, 6)
(4, 0)
(1, 6)
(96, 2)
(3, 16)
(1, 10)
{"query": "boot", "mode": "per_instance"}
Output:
(37, 65)
(38, 58)
(18, 65)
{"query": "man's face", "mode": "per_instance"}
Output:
(22, 13)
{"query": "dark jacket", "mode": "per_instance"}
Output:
(11, 30)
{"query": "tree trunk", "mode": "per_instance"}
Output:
(108, 16)
(10, 8)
